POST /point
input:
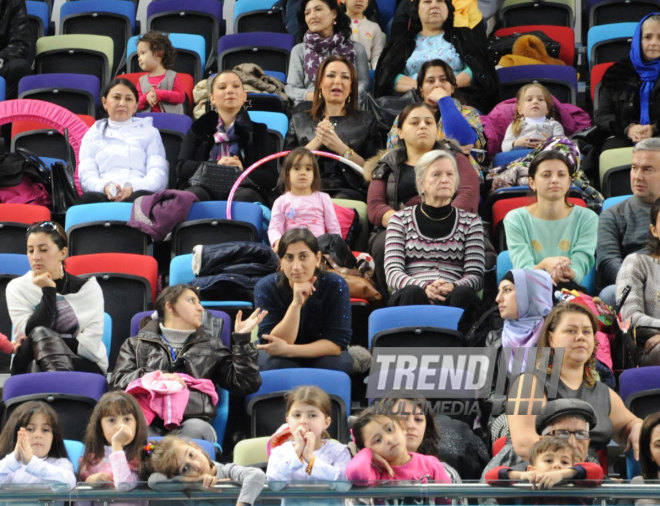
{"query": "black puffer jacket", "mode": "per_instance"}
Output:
(202, 356)
(358, 130)
(254, 143)
(14, 30)
(618, 103)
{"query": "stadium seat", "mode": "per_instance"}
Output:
(640, 390)
(614, 168)
(114, 18)
(506, 157)
(190, 57)
(266, 406)
(258, 16)
(252, 452)
(173, 128)
(14, 222)
(78, 54)
(268, 50)
(129, 285)
(201, 17)
(40, 139)
(415, 326)
(77, 92)
(103, 228)
(609, 43)
(12, 265)
(562, 34)
(75, 451)
(597, 73)
(552, 12)
(612, 201)
(3, 86)
(561, 81)
(603, 12)
(277, 123)
(39, 18)
(207, 224)
(71, 394)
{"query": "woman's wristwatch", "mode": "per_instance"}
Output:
(348, 154)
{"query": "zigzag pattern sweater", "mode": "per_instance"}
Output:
(412, 258)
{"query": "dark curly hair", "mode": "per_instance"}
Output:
(342, 21)
(160, 46)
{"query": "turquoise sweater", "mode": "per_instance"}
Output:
(531, 239)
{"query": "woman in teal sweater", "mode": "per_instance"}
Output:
(552, 234)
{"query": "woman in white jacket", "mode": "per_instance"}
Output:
(57, 317)
(121, 157)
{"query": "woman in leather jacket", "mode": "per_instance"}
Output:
(186, 340)
(627, 84)
(432, 34)
(227, 135)
(334, 124)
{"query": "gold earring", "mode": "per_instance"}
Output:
(349, 100)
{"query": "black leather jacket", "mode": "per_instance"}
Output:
(254, 143)
(14, 30)
(618, 104)
(202, 356)
(358, 130)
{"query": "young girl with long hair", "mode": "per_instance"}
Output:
(116, 432)
(534, 120)
(303, 205)
(33, 448)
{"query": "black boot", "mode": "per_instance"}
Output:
(50, 352)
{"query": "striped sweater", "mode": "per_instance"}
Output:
(414, 259)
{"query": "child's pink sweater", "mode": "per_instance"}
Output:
(123, 476)
(420, 468)
(174, 96)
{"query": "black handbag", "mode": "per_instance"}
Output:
(216, 179)
(385, 109)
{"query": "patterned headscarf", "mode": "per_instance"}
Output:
(648, 71)
(318, 48)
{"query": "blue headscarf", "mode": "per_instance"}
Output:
(534, 300)
(648, 71)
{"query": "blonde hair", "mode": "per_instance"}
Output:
(518, 118)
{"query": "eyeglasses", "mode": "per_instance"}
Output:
(580, 435)
(43, 225)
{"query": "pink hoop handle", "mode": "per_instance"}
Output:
(274, 156)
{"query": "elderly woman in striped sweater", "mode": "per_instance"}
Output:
(434, 252)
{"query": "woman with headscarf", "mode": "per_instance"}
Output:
(629, 101)
(524, 299)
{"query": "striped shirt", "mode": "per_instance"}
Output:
(412, 258)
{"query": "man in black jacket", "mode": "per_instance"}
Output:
(16, 44)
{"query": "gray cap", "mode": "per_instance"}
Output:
(559, 408)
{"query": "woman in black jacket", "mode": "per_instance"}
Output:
(228, 135)
(629, 100)
(186, 340)
(431, 27)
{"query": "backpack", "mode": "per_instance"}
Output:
(24, 179)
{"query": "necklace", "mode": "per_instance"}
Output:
(421, 208)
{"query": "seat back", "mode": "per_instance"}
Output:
(103, 228)
(609, 43)
(267, 407)
(128, 283)
(638, 379)
(207, 224)
(597, 73)
(202, 17)
(553, 12)
(75, 451)
(611, 158)
(268, 50)
(114, 18)
(3, 86)
(14, 222)
(71, 394)
(644, 402)
(561, 81)
(603, 12)
(190, 57)
(562, 34)
(252, 452)
(39, 22)
(258, 16)
(612, 201)
(77, 92)
(78, 53)
(12, 265)
(361, 208)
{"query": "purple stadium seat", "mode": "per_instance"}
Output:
(560, 80)
(77, 92)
